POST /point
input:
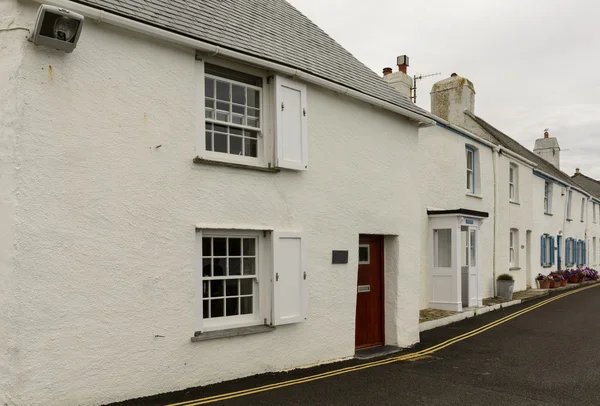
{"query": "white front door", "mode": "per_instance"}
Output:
(469, 266)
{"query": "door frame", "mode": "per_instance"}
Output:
(380, 239)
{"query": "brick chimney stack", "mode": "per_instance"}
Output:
(399, 80)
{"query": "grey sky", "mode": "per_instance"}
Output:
(535, 64)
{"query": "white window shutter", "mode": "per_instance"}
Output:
(198, 316)
(290, 284)
(291, 134)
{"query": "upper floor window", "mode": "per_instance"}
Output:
(513, 250)
(513, 182)
(470, 153)
(583, 208)
(247, 118)
(570, 251)
(569, 204)
(548, 197)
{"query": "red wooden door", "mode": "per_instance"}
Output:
(369, 302)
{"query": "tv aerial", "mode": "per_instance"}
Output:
(413, 90)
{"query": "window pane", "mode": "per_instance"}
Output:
(246, 286)
(250, 147)
(220, 142)
(469, 160)
(238, 94)
(464, 232)
(469, 183)
(222, 116)
(253, 98)
(223, 91)
(235, 247)
(249, 266)
(235, 119)
(209, 87)
(223, 106)
(231, 287)
(209, 104)
(363, 254)
(209, 113)
(218, 267)
(216, 308)
(253, 122)
(205, 291)
(236, 131)
(206, 268)
(473, 247)
(205, 313)
(209, 141)
(251, 134)
(235, 266)
(249, 246)
(235, 145)
(219, 247)
(246, 305)
(443, 244)
(217, 288)
(206, 250)
(232, 306)
(238, 109)
(253, 112)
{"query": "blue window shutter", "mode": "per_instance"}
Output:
(543, 250)
(568, 251)
(576, 261)
(552, 250)
(584, 256)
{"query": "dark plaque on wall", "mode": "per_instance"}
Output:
(339, 257)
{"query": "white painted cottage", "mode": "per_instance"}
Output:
(187, 199)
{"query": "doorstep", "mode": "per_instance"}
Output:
(374, 352)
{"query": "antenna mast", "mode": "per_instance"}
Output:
(413, 89)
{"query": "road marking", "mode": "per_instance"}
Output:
(419, 354)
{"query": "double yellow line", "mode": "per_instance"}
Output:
(427, 351)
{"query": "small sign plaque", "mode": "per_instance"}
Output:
(469, 221)
(364, 288)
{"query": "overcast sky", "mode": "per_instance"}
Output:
(535, 64)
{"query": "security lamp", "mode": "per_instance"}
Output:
(57, 28)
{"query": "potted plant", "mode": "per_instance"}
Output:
(543, 281)
(574, 275)
(505, 285)
(555, 279)
(565, 277)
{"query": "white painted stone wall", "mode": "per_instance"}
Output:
(11, 111)
(442, 169)
(103, 253)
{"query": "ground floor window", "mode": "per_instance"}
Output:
(547, 250)
(513, 250)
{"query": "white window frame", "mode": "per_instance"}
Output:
(265, 139)
(513, 182)
(548, 197)
(471, 172)
(368, 247)
(583, 203)
(513, 251)
(594, 215)
(261, 289)
(569, 205)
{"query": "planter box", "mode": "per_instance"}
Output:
(504, 289)
(563, 282)
(554, 284)
(544, 284)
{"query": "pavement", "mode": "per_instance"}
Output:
(549, 355)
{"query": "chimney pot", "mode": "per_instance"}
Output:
(453, 75)
(546, 133)
(576, 170)
(387, 71)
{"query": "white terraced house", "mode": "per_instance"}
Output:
(197, 191)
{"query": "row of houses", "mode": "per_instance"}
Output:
(203, 191)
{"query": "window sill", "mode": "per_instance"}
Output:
(232, 332)
(474, 195)
(203, 161)
(547, 266)
(515, 202)
(548, 214)
(514, 268)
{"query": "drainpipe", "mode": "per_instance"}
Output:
(495, 155)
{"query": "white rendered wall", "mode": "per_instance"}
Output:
(442, 169)
(11, 109)
(104, 239)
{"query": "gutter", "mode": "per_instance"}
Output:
(213, 50)
(495, 153)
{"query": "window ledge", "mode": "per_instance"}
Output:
(474, 195)
(514, 268)
(548, 214)
(232, 332)
(547, 266)
(203, 161)
(515, 202)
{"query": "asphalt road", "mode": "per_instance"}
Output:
(547, 356)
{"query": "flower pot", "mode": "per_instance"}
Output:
(585, 278)
(574, 279)
(545, 284)
(563, 282)
(553, 284)
(504, 289)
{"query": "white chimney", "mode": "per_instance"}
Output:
(399, 80)
(548, 149)
(451, 97)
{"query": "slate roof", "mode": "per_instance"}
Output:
(512, 145)
(269, 29)
(589, 184)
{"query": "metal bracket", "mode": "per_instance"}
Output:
(304, 275)
(276, 276)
